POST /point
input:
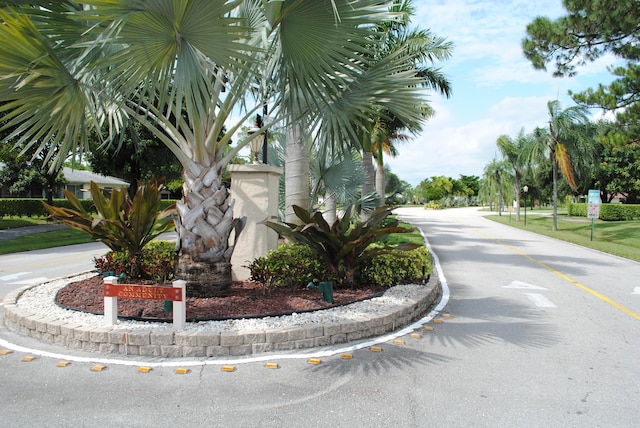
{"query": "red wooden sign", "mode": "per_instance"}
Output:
(149, 292)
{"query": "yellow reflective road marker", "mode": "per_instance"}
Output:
(181, 370)
(416, 335)
(28, 358)
(375, 349)
(398, 342)
(98, 368)
(228, 368)
(427, 328)
(272, 366)
(6, 351)
(346, 356)
(63, 363)
(438, 321)
(446, 315)
(144, 369)
(314, 361)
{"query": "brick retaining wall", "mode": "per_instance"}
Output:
(186, 343)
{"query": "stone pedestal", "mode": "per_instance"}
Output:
(255, 191)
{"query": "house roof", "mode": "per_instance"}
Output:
(78, 176)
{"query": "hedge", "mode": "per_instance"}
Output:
(608, 212)
(26, 207)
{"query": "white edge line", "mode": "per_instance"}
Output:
(381, 339)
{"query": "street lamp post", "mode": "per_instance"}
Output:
(265, 143)
(256, 143)
(526, 189)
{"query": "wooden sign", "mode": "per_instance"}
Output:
(149, 292)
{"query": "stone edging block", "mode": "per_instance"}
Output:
(170, 344)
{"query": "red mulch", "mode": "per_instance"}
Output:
(246, 299)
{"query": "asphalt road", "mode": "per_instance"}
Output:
(542, 333)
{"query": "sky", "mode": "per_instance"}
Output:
(496, 91)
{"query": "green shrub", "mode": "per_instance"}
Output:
(619, 212)
(577, 210)
(395, 267)
(289, 266)
(608, 212)
(27, 207)
(345, 242)
(159, 260)
(296, 265)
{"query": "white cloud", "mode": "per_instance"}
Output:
(495, 89)
(446, 148)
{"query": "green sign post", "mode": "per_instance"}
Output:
(593, 208)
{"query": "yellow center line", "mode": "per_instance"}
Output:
(565, 277)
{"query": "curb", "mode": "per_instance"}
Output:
(176, 344)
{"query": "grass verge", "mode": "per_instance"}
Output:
(620, 238)
(43, 240)
(11, 222)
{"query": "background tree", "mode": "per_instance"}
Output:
(27, 175)
(137, 156)
(469, 185)
(516, 152)
(496, 179)
(423, 49)
(397, 190)
(559, 141)
(591, 29)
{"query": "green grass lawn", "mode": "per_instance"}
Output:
(38, 241)
(621, 238)
(11, 222)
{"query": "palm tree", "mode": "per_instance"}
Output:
(516, 155)
(424, 49)
(183, 69)
(495, 177)
(336, 177)
(557, 142)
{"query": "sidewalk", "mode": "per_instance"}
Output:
(17, 232)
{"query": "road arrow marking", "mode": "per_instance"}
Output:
(636, 290)
(540, 301)
(523, 286)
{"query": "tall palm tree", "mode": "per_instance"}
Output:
(424, 49)
(183, 69)
(516, 152)
(557, 143)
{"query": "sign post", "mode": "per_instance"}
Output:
(176, 294)
(593, 208)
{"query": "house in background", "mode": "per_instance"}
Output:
(78, 182)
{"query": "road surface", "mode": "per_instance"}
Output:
(541, 333)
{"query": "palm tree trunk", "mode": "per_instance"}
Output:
(517, 185)
(369, 174)
(380, 184)
(554, 169)
(296, 169)
(204, 226)
(330, 214)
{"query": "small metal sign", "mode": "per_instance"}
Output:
(593, 205)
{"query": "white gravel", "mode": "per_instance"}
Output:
(40, 301)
